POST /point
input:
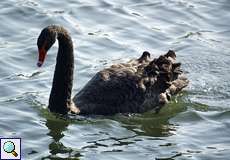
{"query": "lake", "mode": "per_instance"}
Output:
(195, 125)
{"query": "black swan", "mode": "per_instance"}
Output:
(134, 87)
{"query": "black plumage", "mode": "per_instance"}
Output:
(137, 86)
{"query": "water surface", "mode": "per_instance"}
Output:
(194, 126)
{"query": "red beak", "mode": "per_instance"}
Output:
(41, 57)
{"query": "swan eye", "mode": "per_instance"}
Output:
(46, 39)
(39, 42)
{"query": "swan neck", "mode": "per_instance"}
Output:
(60, 96)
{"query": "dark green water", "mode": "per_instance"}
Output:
(194, 126)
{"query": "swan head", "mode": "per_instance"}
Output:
(45, 41)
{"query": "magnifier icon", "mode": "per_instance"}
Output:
(9, 147)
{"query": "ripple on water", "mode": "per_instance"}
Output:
(193, 126)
